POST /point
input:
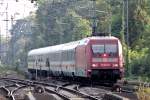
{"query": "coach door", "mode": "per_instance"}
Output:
(48, 65)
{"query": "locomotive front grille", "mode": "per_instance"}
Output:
(105, 74)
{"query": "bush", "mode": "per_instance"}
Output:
(139, 62)
(143, 93)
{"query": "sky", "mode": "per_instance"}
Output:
(18, 10)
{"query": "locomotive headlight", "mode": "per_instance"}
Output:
(89, 70)
(115, 65)
(94, 65)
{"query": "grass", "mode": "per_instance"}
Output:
(144, 93)
(138, 78)
(6, 70)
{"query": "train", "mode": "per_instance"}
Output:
(96, 57)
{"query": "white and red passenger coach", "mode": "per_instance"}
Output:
(92, 57)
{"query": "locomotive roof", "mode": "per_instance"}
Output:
(66, 46)
(102, 37)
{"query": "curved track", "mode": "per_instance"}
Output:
(64, 90)
(64, 93)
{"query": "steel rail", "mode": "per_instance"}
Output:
(74, 92)
(8, 93)
(81, 94)
(57, 88)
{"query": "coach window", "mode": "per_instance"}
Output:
(64, 55)
(70, 55)
(56, 56)
(36, 63)
(29, 59)
(51, 56)
(47, 62)
(41, 60)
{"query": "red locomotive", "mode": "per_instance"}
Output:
(93, 57)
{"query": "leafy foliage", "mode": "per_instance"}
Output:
(61, 21)
(138, 62)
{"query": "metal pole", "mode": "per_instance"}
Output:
(94, 18)
(40, 68)
(123, 23)
(36, 69)
(128, 36)
(6, 35)
(12, 41)
(110, 22)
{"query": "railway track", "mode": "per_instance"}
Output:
(64, 90)
(64, 93)
(121, 91)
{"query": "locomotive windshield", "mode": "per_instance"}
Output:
(98, 49)
(104, 48)
(110, 48)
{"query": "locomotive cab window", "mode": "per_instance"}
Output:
(110, 49)
(98, 49)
